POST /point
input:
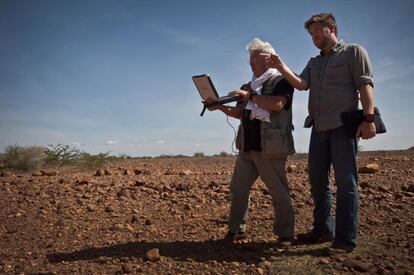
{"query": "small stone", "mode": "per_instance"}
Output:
(324, 261)
(126, 268)
(134, 219)
(37, 174)
(266, 264)
(410, 188)
(122, 193)
(369, 169)
(107, 172)
(357, 265)
(91, 207)
(185, 173)
(99, 173)
(109, 209)
(118, 227)
(137, 172)
(126, 172)
(153, 255)
(6, 174)
(129, 228)
(364, 185)
(291, 168)
(49, 173)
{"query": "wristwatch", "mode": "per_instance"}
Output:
(369, 118)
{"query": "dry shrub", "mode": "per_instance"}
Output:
(23, 158)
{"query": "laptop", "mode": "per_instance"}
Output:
(209, 93)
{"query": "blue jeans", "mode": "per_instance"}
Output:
(326, 148)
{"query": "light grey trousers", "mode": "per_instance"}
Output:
(272, 172)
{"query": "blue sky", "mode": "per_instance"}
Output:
(116, 75)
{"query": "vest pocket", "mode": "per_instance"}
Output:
(276, 143)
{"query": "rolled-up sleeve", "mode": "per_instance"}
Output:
(361, 67)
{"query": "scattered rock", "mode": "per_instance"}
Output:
(369, 169)
(185, 173)
(357, 265)
(99, 173)
(410, 188)
(82, 182)
(140, 183)
(6, 174)
(153, 255)
(134, 219)
(182, 187)
(37, 174)
(91, 207)
(126, 268)
(109, 209)
(364, 184)
(291, 168)
(49, 173)
(122, 193)
(265, 264)
(324, 261)
(118, 227)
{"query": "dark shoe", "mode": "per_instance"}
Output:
(231, 237)
(338, 250)
(284, 242)
(312, 238)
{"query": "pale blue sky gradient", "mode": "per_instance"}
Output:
(116, 75)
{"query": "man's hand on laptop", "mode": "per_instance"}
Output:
(245, 95)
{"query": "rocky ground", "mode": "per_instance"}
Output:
(167, 215)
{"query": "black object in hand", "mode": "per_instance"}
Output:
(353, 119)
(223, 100)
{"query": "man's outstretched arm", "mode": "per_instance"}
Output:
(274, 61)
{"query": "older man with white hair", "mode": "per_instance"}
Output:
(264, 141)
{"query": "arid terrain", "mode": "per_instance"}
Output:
(167, 216)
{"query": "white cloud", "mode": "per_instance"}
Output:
(388, 68)
(112, 142)
(75, 143)
(160, 142)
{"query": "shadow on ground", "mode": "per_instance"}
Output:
(212, 250)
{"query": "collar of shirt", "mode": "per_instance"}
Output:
(336, 48)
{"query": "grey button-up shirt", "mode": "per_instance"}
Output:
(334, 79)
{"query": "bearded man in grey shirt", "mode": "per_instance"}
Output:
(335, 78)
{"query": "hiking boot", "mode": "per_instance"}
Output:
(337, 249)
(284, 242)
(231, 237)
(312, 238)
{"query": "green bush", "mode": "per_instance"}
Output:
(61, 154)
(89, 161)
(223, 154)
(23, 158)
(198, 154)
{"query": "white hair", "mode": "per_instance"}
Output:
(257, 45)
